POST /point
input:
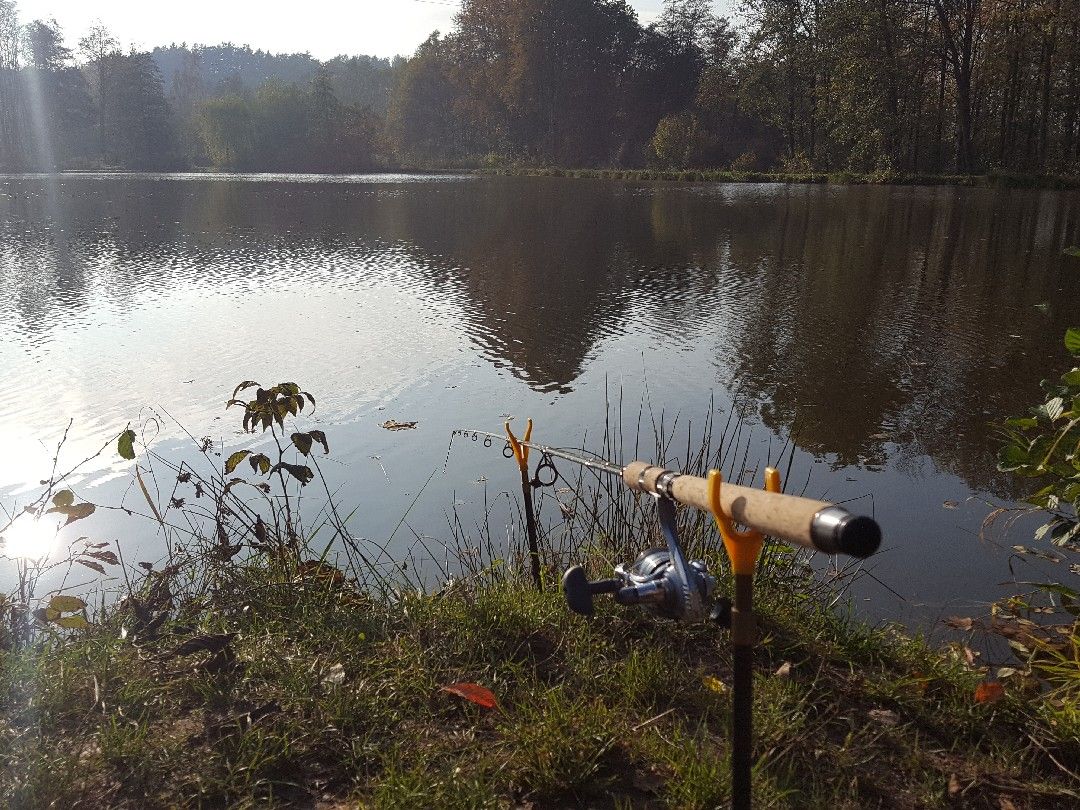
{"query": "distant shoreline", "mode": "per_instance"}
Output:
(989, 180)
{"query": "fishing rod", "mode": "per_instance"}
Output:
(818, 525)
(665, 582)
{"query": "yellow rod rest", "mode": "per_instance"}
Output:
(521, 452)
(743, 547)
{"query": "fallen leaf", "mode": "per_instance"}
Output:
(989, 692)
(335, 677)
(472, 692)
(390, 424)
(1005, 803)
(960, 622)
(784, 671)
(715, 684)
(951, 504)
(954, 786)
(885, 717)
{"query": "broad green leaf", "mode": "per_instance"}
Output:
(72, 622)
(1072, 340)
(1071, 378)
(1012, 457)
(126, 445)
(1054, 408)
(302, 441)
(1064, 533)
(66, 604)
(1022, 422)
(63, 499)
(245, 384)
(259, 463)
(234, 460)
(320, 437)
(299, 472)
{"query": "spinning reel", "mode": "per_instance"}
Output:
(661, 579)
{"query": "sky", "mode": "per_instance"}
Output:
(323, 28)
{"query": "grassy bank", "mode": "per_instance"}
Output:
(993, 180)
(244, 669)
(289, 684)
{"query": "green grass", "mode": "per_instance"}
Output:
(612, 712)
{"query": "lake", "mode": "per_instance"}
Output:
(882, 329)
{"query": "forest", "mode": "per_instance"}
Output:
(869, 86)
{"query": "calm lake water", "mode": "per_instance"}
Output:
(882, 329)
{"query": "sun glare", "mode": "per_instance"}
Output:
(29, 539)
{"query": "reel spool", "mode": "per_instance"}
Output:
(652, 581)
(660, 579)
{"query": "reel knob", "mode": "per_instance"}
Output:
(579, 591)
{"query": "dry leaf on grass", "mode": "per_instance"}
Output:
(472, 692)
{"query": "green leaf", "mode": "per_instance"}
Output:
(1053, 408)
(234, 460)
(1072, 340)
(259, 463)
(245, 384)
(302, 442)
(1071, 378)
(320, 437)
(1064, 533)
(63, 499)
(1022, 422)
(1012, 457)
(72, 622)
(1072, 251)
(126, 445)
(66, 604)
(301, 473)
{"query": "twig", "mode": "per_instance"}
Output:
(652, 720)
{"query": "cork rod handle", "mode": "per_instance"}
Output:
(805, 522)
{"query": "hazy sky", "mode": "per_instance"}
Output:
(325, 28)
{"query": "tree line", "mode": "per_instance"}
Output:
(923, 86)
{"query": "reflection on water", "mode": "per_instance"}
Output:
(883, 328)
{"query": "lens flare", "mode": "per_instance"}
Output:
(28, 539)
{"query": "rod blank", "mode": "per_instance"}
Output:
(805, 522)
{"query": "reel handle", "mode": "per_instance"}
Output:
(579, 591)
